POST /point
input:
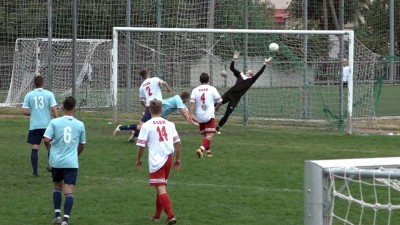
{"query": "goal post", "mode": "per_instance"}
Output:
(178, 55)
(352, 191)
(93, 70)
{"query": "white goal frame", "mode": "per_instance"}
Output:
(116, 30)
(316, 181)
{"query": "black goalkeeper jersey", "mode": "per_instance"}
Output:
(242, 83)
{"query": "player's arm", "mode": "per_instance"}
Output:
(188, 117)
(139, 157)
(47, 143)
(178, 147)
(26, 111)
(232, 67)
(81, 146)
(143, 103)
(54, 111)
(217, 106)
(266, 61)
(166, 85)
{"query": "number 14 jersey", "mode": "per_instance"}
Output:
(159, 135)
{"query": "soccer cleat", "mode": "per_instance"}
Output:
(155, 220)
(64, 223)
(171, 221)
(131, 138)
(117, 130)
(218, 131)
(35, 174)
(209, 155)
(57, 220)
(199, 153)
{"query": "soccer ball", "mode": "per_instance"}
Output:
(224, 73)
(273, 47)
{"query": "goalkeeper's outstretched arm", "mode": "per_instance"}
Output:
(232, 67)
(266, 61)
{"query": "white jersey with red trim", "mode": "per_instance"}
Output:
(159, 135)
(204, 97)
(150, 89)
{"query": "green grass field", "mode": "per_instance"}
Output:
(256, 176)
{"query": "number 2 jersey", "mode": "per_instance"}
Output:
(150, 89)
(159, 135)
(204, 96)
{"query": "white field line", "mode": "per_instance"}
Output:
(208, 185)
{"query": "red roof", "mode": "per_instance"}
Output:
(281, 15)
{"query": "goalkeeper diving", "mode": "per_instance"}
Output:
(243, 82)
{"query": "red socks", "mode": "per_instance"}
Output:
(158, 212)
(165, 202)
(206, 143)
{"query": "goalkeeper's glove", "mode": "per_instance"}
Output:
(236, 55)
(267, 60)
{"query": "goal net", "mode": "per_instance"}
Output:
(93, 69)
(352, 191)
(301, 86)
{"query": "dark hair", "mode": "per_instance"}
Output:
(38, 81)
(155, 106)
(204, 78)
(144, 73)
(184, 94)
(69, 103)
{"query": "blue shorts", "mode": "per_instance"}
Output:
(68, 175)
(146, 116)
(35, 136)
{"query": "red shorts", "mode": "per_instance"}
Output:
(207, 127)
(160, 177)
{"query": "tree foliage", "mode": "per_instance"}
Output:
(369, 19)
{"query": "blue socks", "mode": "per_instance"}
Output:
(57, 201)
(34, 161)
(69, 201)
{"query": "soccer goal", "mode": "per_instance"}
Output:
(93, 69)
(352, 191)
(302, 86)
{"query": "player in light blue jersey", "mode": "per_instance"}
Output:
(65, 138)
(175, 103)
(38, 104)
(169, 106)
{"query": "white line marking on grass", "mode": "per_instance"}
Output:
(217, 186)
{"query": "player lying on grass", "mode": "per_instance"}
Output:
(243, 82)
(169, 105)
(149, 89)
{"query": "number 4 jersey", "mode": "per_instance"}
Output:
(204, 96)
(159, 135)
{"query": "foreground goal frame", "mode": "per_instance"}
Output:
(116, 30)
(316, 181)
